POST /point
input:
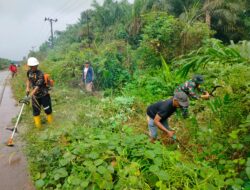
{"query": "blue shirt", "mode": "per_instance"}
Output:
(89, 76)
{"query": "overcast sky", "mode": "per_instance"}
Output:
(22, 25)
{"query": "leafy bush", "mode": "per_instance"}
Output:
(4, 63)
(87, 156)
(111, 66)
(160, 35)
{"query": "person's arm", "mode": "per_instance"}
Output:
(157, 122)
(27, 86)
(28, 89)
(205, 96)
(34, 91)
(29, 94)
(192, 93)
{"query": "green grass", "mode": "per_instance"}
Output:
(97, 143)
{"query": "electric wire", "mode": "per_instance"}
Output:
(67, 7)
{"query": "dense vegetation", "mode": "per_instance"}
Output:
(140, 52)
(4, 63)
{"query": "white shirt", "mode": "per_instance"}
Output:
(85, 72)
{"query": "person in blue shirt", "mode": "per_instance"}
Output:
(88, 76)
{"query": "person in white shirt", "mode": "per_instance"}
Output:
(88, 76)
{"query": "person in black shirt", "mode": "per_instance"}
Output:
(158, 114)
(38, 92)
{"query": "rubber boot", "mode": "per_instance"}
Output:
(37, 120)
(49, 118)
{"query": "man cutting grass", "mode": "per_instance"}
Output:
(159, 112)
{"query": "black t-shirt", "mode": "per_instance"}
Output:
(36, 79)
(163, 108)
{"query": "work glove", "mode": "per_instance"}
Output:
(26, 99)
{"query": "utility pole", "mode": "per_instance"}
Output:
(86, 15)
(51, 28)
(88, 28)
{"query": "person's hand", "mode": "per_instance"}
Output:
(27, 90)
(205, 96)
(171, 133)
(26, 99)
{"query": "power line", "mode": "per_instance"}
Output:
(65, 8)
(42, 32)
(76, 5)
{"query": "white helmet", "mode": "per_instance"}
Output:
(32, 61)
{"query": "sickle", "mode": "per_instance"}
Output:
(214, 88)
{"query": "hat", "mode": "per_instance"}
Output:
(32, 61)
(182, 98)
(198, 79)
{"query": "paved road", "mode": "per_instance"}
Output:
(13, 165)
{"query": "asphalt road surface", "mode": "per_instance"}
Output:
(13, 166)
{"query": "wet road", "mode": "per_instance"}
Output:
(13, 165)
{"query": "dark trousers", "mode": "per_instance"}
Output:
(37, 104)
(13, 74)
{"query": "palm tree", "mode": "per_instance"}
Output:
(223, 16)
(220, 15)
(110, 12)
(176, 7)
(223, 11)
